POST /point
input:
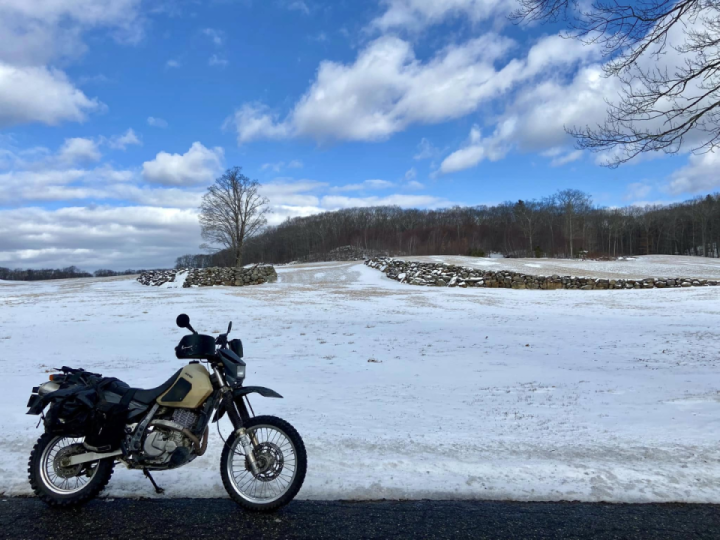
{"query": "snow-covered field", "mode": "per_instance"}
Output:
(475, 393)
(668, 266)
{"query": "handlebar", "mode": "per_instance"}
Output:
(183, 321)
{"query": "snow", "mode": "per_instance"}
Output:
(477, 393)
(177, 282)
(668, 266)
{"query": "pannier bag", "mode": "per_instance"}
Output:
(108, 421)
(71, 411)
(97, 411)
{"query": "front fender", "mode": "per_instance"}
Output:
(265, 392)
(239, 393)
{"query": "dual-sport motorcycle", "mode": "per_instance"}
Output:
(94, 421)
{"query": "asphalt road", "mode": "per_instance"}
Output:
(221, 518)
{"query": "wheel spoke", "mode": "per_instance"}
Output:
(65, 480)
(277, 461)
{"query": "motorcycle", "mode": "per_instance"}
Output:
(92, 422)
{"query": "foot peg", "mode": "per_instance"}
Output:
(158, 489)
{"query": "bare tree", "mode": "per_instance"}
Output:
(660, 108)
(574, 203)
(527, 214)
(232, 211)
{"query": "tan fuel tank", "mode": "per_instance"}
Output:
(190, 389)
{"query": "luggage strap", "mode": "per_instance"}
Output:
(127, 398)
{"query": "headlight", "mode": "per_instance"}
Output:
(240, 372)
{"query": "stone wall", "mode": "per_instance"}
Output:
(206, 277)
(448, 275)
(347, 253)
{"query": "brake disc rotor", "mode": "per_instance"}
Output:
(269, 460)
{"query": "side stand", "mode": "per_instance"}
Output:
(158, 489)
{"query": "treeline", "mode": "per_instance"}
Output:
(110, 273)
(566, 224)
(19, 274)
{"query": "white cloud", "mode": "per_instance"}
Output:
(415, 15)
(56, 182)
(254, 121)
(280, 213)
(553, 95)
(172, 64)
(299, 5)
(146, 226)
(165, 197)
(385, 90)
(157, 122)
(462, 159)
(411, 174)
(426, 150)
(275, 167)
(97, 236)
(292, 198)
(469, 156)
(39, 94)
(215, 60)
(216, 36)
(336, 202)
(77, 150)
(702, 173)
(297, 198)
(280, 165)
(372, 184)
(199, 165)
(637, 190)
(39, 32)
(414, 185)
(535, 120)
(567, 158)
(123, 141)
(288, 192)
(61, 182)
(43, 185)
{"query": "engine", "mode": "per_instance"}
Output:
(165, 442)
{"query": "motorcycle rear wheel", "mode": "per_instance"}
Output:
(281, 457)
(65, 486)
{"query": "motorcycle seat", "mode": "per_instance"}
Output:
(148, 396)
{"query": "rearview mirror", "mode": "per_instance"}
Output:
(183, 321)
(229, 327)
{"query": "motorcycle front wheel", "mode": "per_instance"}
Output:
(281, 459)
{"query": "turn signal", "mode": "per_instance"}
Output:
(54, 376)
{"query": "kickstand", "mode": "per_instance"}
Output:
(158, 489)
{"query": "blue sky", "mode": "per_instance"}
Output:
(115, 115)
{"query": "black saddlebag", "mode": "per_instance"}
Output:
(71, 411)
(97, 411)
(110, 417)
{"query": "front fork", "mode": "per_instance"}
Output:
(238, 414)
